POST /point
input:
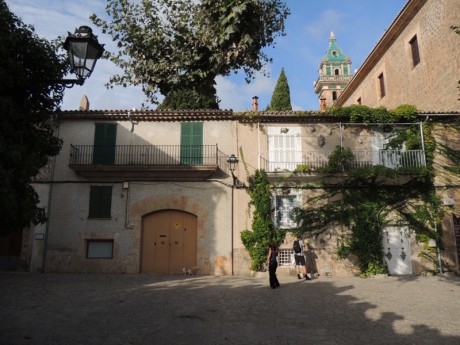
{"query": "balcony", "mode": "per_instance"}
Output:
(147, 162)
(331, 79)
(287, 161)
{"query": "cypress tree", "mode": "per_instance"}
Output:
(281, 98)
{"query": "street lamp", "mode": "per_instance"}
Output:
(232, 162)
(84, 50)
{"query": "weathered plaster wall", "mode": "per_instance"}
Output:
(70, 227)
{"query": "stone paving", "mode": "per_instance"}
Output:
(110, 309)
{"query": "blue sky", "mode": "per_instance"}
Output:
(357, 25)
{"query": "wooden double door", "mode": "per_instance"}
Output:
(169, 242)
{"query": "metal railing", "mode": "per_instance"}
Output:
(334, 78)
(394, 159)
(146, 155)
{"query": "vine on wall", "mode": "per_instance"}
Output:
(263, 231)
(369, 195)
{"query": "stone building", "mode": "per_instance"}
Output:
(153, 191)
(131, 190)
(416, 62)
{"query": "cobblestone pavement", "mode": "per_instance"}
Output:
(156, 309)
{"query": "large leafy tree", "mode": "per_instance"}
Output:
(171, 45)
(281, 98)
(190, 99)
(29, 95)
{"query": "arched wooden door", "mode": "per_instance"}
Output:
(169, 240)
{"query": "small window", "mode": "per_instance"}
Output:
(359, 101)
(337, 71)
(382, 85)
(334, 53)
(414, 49)
(284, 205)
(286, 258)
(100, 202)
(99, 249)
(334, 95)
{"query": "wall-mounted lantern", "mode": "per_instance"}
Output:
(83, 50)
(321, 140)
(232, 163)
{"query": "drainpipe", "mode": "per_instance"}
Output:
(437, 250)
(126, 187)
(258, 145)
(255, 108)
(423, 142)
(48, 211)
(341, 135)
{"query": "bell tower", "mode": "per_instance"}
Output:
(334, 74)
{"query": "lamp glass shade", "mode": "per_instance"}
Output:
(83, 50)
(232, 162)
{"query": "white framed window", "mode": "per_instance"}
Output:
(99, 249)
(284, 147)
(283, 205)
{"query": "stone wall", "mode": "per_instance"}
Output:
(432, 84)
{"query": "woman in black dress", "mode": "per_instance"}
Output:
(272, 265)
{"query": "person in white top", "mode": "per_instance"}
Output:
(300, 265)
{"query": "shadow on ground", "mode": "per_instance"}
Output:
(152, 309)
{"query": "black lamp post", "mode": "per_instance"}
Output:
(232, 162)
(84, 50)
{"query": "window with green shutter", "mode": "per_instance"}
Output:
(191, 142)
(105, 138)
(100, 202)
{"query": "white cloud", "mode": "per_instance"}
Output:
(236, 94)
(330, 20)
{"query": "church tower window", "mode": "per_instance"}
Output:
(415, 52)
(382, 85)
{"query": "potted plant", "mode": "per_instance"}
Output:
(302, 169)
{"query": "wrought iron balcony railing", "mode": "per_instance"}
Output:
(287, 161)
(146, 155)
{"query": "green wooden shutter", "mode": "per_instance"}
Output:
(191, 143)
(328, 70)
(105, 137)
(100, 202)
(345, 70)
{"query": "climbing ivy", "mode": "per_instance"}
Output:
(263, 231)
(365, 114)
(369, 195)
(362, 201)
